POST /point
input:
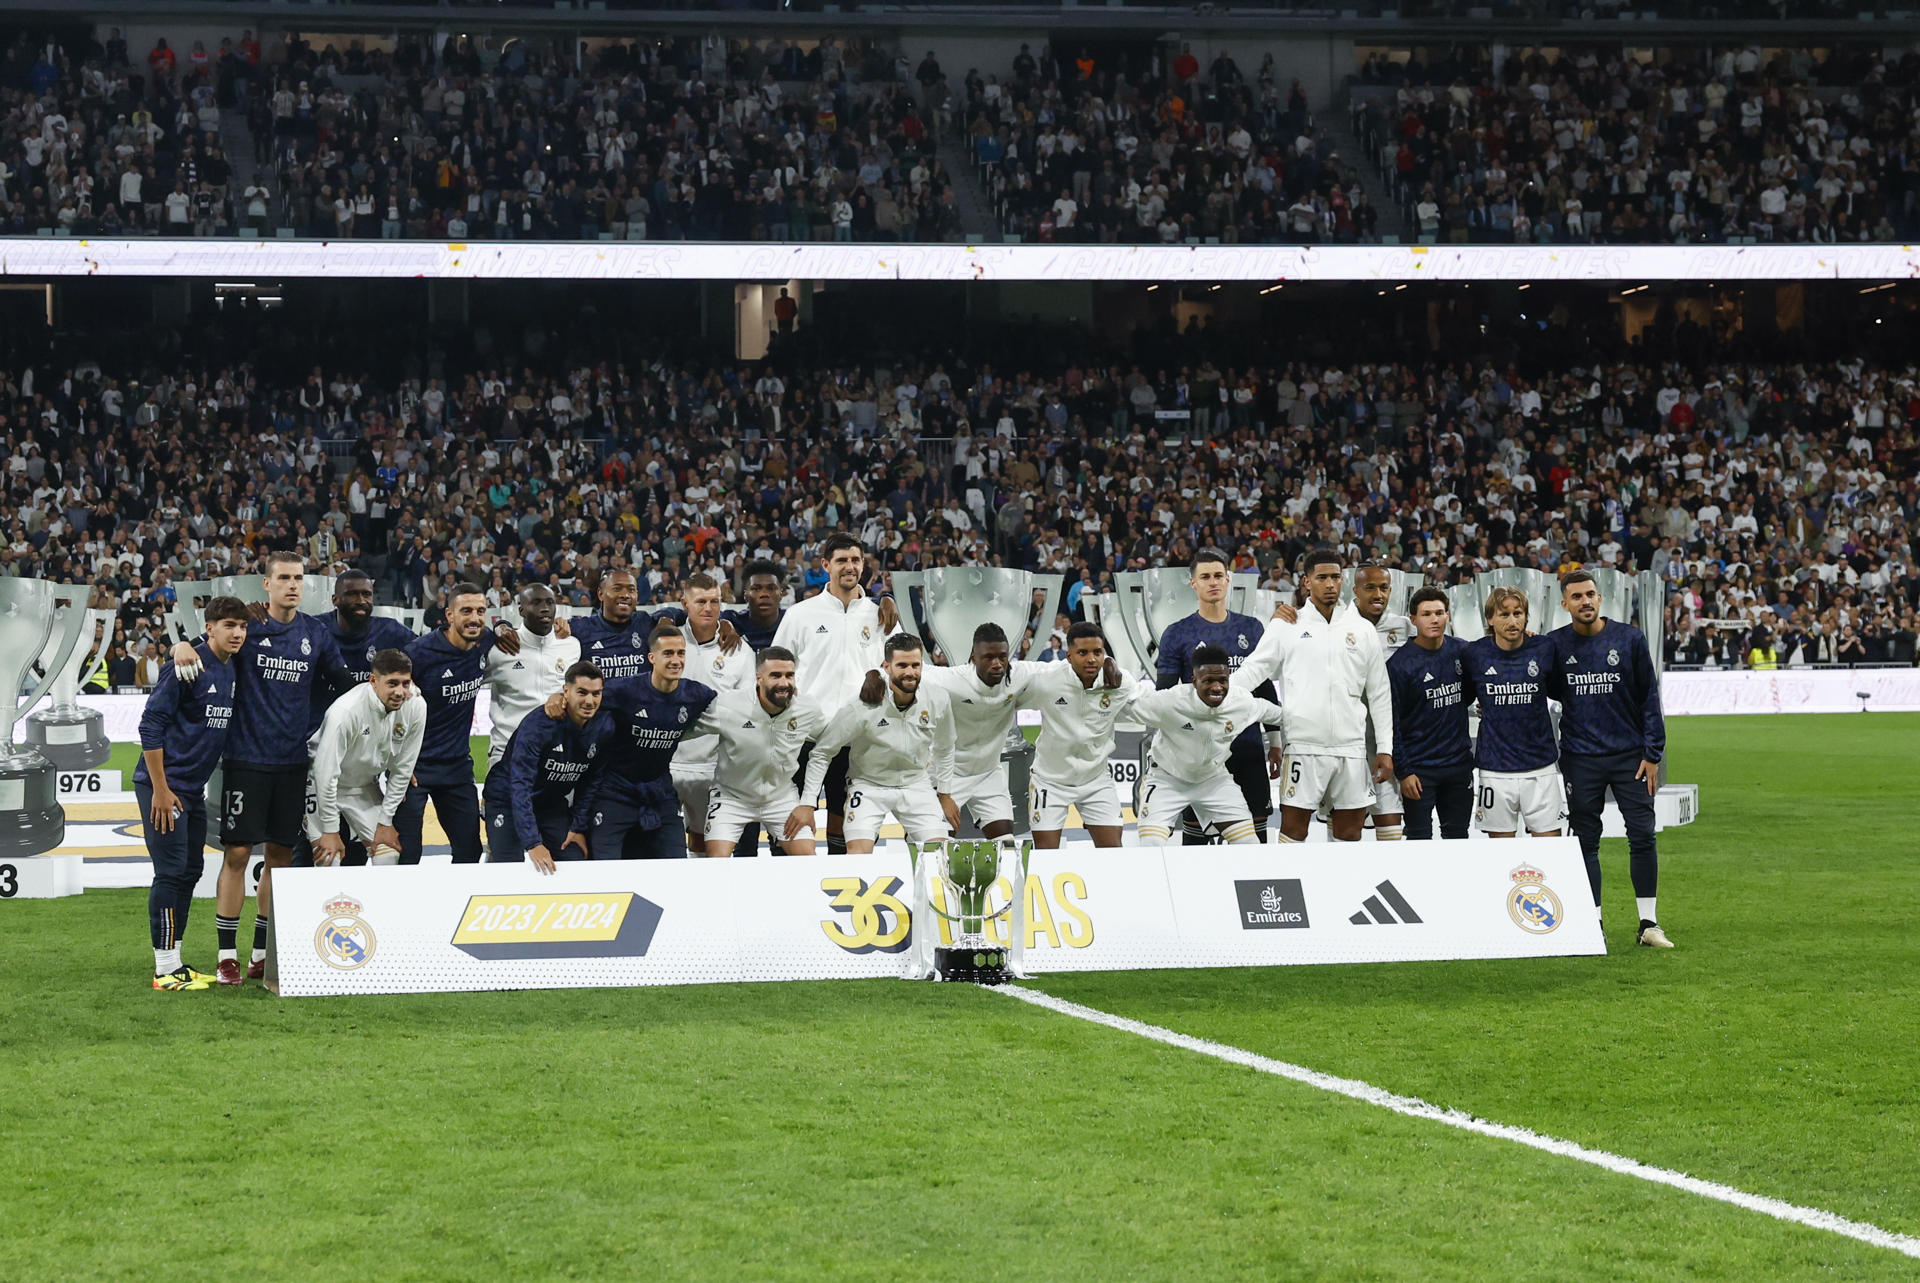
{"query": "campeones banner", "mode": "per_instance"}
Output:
(609, 924)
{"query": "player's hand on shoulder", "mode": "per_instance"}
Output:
(556, 705)
(889, 614)
(1285, 613)
(1110, 673)
(873, 688)
(728, 636)
(507, 637)
(561, 628)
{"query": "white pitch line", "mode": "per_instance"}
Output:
(1414, 1107)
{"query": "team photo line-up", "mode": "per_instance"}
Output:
(624, 735)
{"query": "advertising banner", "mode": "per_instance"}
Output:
(611, 923)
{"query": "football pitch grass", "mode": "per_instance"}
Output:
(883, 1130)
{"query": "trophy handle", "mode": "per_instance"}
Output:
(100, 622)
(52, 673)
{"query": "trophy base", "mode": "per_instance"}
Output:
(73, 739)
(31, 818)
(986, 965)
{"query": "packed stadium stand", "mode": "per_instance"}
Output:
(1778, 499)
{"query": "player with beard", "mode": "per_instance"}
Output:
(761, 730)
(357, 631)
(1507, 674)
(901, 755)
(636, 812)
(540, 793)
(449, 668)
(615, 639)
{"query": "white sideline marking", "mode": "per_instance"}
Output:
(1414, 1107)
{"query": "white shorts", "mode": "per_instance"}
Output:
(1217, 801)
(916, 807)
(1512, 801)
(695, 792)
(1312, 782)
(359, 812)
(728, 816)
(986, 798)
(1097, 801)
(1386, 798)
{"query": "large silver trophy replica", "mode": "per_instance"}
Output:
(190, 597)
(955, 600)
(1150, 600)
(71, 737)
(31, 819)
(971, 895)
(944, 605)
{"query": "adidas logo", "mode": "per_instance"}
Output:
(446, 672)
(1186, 726)
(1062, 701)
(1492, 671)
(1426, 677)
(1384, 913)
(821, 629)
(883, 721)
(266, 643)
(517, 665)
(642, 715)
(1572, 660)
(598, 645)
(746, 726)
(966, 700)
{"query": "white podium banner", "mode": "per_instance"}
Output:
(611, 923)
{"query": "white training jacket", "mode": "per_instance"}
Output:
(1395, 631)
(358, 742)
(1331, 674)
(893, 747)
(756, 752)
(982, 714)
(1076, 723)
(1193, 740)
(522, 682)
(833, 646)
(723, 671)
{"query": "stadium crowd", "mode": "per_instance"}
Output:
(1609, 145)
(1779, 502)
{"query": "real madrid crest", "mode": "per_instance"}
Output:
(343, 940)
(1349, 639)
(866, 632)
(1229, 726)
(718, 663)
(793, 723)
(306, 647)
(1106, 700)
(1533, 908)
(1533, 668)
(923, 717)
(1613, 657)
(637, 642)
(683, 714)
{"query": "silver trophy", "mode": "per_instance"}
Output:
(1104, 609)
(955, 600)
(1616, 593)
(1150, 600)
(31, 819)
(980, 924)
(1463, 607)
(1542, 591)
(71, 737)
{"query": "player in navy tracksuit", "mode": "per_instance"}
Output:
(287, 657)
(1507, 675)
(615, 639)
(759, 619)
(1612, 737)
(1236, 634)
(449, 668)
(1432, 752)
(183, 730)
(539, 797)
(636, 812)
(357, 631)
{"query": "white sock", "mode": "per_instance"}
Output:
(165, 961)
(1389, 832)
(229, 955)
(1646, 907)
(259, 955)
(1283, 838)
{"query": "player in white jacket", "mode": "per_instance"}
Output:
(757, 733)
(901, 755)
(983, 694)
(1197, 723)
(837, 636)
(1079, 700)
(363, 756)
(710, 664)
(521, 682)
(1372, 587)
(1332, 676)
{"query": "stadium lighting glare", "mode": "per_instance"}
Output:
(1875, 289)
(1399, 287)
(1635, 290)
(1526, 287)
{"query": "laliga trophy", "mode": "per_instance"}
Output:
(955, 600)
(31, 819)
(955, 882)
(71, 737)
(1150, 601)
